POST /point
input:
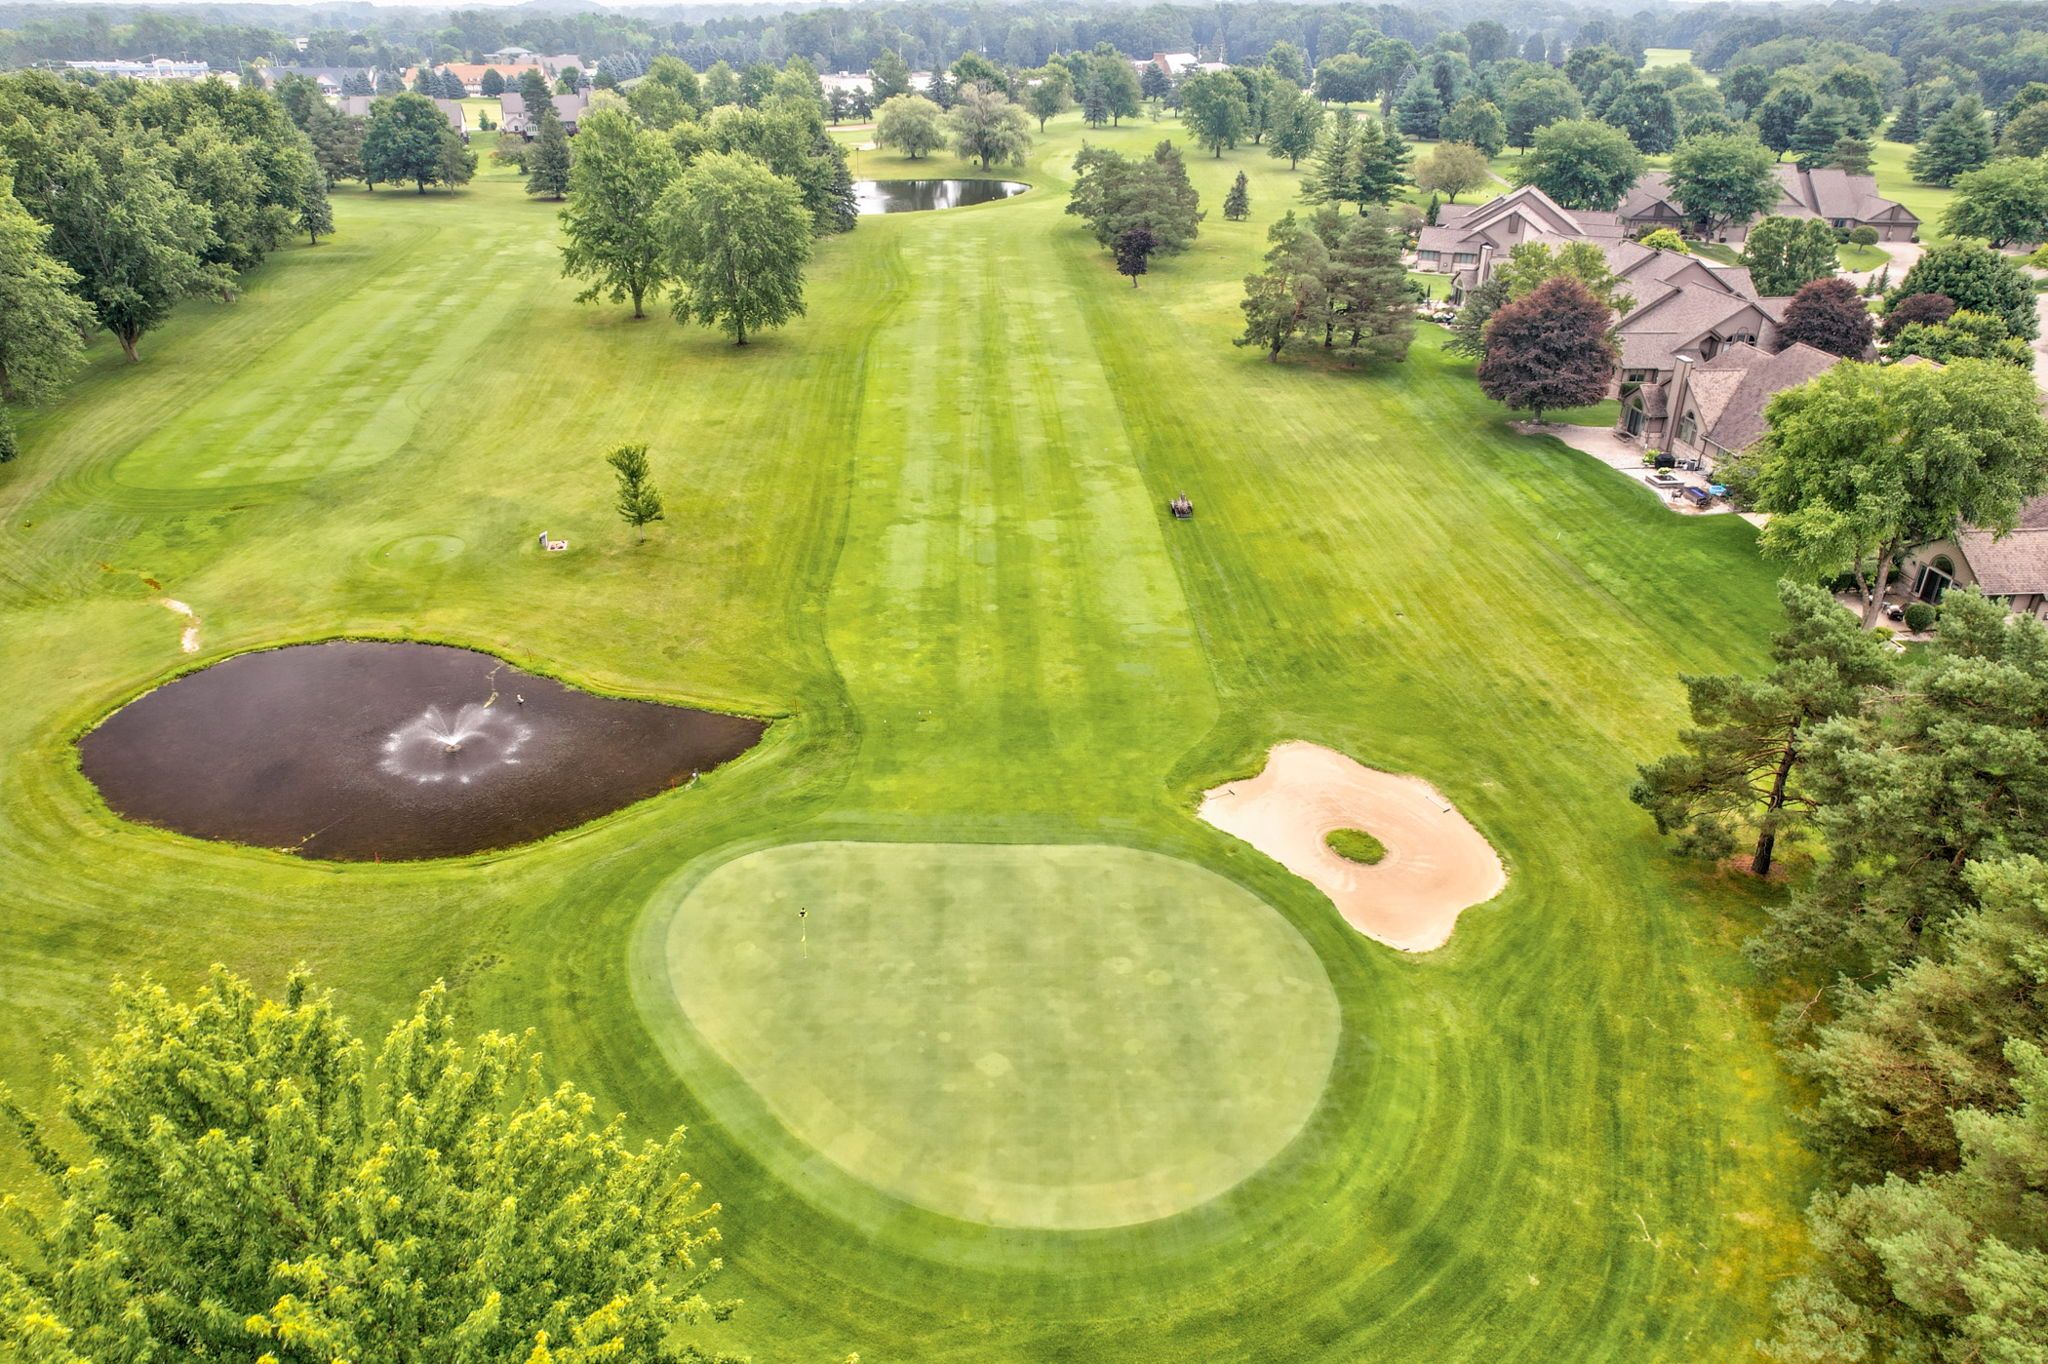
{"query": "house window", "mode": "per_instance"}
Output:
(1430, 256)
(1688, 429)
(1632, 420)
(1465, 258)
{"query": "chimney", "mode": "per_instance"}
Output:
(1674, 402)
(1485, 269)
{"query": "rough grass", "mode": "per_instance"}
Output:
(1356, 845)
(927, 524)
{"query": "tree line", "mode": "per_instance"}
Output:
(119, 201)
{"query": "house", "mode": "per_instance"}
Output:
(471, 74)
(1712, 409)
(330, 79)
(517, 56)
(512, 113)
(564, 61)
(1844, 201)
(358, 106)
(1468, 238)
(2013, 566)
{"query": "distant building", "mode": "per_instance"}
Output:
(512, 113)
(156, 69)
(330, 79)
(471, 74)
(516, 55)
(1178, 64)
(1841, 200)
(358, 106)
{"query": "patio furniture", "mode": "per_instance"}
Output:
(1699, 497)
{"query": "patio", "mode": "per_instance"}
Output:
(1668, 486)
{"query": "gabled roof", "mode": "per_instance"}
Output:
(2013, 564)
(1671, 318)
(1731, 390)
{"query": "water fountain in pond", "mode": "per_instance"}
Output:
(434, 748)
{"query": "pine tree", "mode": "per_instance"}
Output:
(315, 213)
(547, 167)
(1420, 108)
(1906, 123)
(638, 503)
(1429, 214)
(1238, 203)
(1958, 141)
(1329, 180)
(1379, 165)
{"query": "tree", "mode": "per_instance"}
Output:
(1331, 178)
(721, 85)
(1213, 107)
(1477, 122)
(1866, 460)
(1644, 111)
(535, 91)
(1958, 141)
(1297, 121)
(404, 141)
(248, 1175)
(1962, 335)
(2006, 201)
(638, 502)
(1116, 82)
(1741, 764)
(2026, 134)
(1419, 110)
(1905, 126)
(1926, 309)
(987, 128)
(425, 82)
(1777, 118)
(1535, 104)
(547, 170)
(1532, 264)
(790, 139)
(910, 123)
(1548, 350)
(1784, 253)
(493, 84)
(1133, 248)
(1746, 86)
(118, 220)
(1814, 138)
(1468, 331)
(1851, 156)
(316, 214)
(337, 142)
(889, 77)
(1113, 193)
(1237, 205)
(41, 320)
(1284, 60)
(612, 235)
(1387, 64)
(1591, 65)
(1051, 94)
(1377, 169)
(1366, 296)
(1975, 279)
(1827, 314)
(1583, 164)
(1666, 239)
(1343, 78)
(736, 241)
(1288, 292)
(1452, 168)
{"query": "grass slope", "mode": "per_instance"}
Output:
(926, 525)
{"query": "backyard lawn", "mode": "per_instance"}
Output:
(1049, 1069)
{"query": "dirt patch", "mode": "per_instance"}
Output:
(188, 638)
(1437, 865)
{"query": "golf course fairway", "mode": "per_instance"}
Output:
(923, 532)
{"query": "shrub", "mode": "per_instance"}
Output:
(1920, 616)
(1355, 845)
(1864, 236)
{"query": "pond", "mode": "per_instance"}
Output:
(357, 750)
(916, 196)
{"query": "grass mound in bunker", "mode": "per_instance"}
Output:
(1355, 845)
(358, 750)
(1064, 1037)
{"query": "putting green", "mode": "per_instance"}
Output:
(1036, 1036)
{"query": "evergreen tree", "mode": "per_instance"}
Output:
(547, 168)
(492, 85)
(425, 82)
(939, 90)
(1777, 118)
(890, 77)
(1851, 155)
(1906, 123)
(1378, 169)
(1366, 296)
(1468, 332)
(1330, 179)
(536, 94)
(1419, 109)
(315, 213)
(1237, 204)
(637, 503)
(1813, 140)
(1741, 764)
(1113, 193)
(1957, 142)
(1289, 292)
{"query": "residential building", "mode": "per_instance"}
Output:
(512, 113)
(1711, 409)
(330, 79)
(2012, 567)
(564, 61)
(471, 74)
(1468, 238)
(516, 55)
(358, 106)
(1842, 200)
(155, 69)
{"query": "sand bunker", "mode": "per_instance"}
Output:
(1436, 865)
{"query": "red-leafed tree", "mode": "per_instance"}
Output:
(1931, 309)
(1829, 315)
(1550, 349)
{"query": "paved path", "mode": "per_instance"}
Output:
(1904, 255)
(1626, 458)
